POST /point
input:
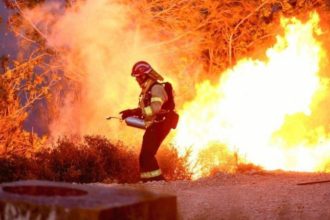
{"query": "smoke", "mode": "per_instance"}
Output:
(97, 42)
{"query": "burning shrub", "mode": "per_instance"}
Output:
(93, 160)
(119, 163)
(173, 166)
(74, 163)
(14, 167)
(247, 168)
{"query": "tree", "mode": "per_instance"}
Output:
(24, 80)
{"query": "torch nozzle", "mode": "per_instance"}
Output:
(113, 117)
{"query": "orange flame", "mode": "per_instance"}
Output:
(257, 107)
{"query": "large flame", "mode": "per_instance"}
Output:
(257, 107)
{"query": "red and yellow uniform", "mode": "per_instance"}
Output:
(156, 108)
(156, 105)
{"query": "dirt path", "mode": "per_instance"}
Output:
(265, 195)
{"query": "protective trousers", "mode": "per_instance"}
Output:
(152, 139)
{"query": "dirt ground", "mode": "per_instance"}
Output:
(260, 195)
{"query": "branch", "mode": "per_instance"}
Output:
(22, 65)
(260, 38)
(30, 22)
(180, 36)
(237, 26)
(24, 37)
(29, 103)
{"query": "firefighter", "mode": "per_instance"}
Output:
(156, 108)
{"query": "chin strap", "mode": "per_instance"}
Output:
(147, 84)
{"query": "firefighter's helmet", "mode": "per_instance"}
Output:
(142, 68)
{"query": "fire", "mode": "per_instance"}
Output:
(257, 109)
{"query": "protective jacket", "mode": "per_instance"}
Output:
(161, 95)
(157, 104)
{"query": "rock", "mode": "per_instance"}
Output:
(56, 200)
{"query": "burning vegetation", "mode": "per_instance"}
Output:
(258, 108)
(251, 81)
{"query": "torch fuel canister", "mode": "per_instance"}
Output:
(135, 122)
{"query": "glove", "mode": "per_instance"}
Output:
(131, 112)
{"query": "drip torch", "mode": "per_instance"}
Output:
(131, 121)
